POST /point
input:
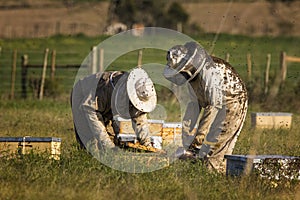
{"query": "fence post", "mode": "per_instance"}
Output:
(53, 62)
(24, 63)
(274, 89)
(43, 74)
(227, 56)
(13, 74)
(140, 57)
(283, 65)
(179, 27)
(93, 65)
(249, 66)
(101, 60)
(267, 72)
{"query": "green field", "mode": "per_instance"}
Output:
(79, 176)
(74, 49)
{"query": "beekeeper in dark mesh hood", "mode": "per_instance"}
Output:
(216, 88)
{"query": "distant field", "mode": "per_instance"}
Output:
(35, 18)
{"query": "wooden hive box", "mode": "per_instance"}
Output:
(25, 145)
(171, 133)
(271, 120)
(154, 125)
(272, 167)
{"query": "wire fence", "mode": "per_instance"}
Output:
(13, 71)
(21, 72)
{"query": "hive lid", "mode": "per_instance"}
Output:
(30, 139)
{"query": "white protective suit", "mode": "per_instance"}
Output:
(215, 88)
(96, 100)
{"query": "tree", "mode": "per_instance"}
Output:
(177, 13)
(150, 13)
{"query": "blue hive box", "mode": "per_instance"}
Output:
(275, 167)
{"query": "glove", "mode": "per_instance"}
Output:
(183, 154)
(197, 142)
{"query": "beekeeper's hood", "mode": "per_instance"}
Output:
(184, 62)
(137, 88)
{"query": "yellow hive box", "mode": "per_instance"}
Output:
(154, 125)
(25, 145)
(271, 120)
(171, 133)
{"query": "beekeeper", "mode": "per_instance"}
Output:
(99, 98)
(217, 89)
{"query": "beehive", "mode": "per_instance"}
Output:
(271, 120)
(274, 167)
(25, 145)
(155, 126)
(171, 133)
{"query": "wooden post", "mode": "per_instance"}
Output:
(13, 74)
(53, 62)
(24, 63)
(274, 88)
(227, 56)
(179, 27)
(43, 74)
(292, 59)
(93, 65)
(140, 57)
(249, 66)
(267, 72)
(283, 65)
(101, 60)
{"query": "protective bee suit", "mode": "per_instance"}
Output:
(215, 88)
(99, 98)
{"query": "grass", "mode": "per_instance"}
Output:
(79, 176)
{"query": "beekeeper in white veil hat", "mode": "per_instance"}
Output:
(117, 93)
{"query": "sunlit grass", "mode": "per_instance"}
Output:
(77, 175)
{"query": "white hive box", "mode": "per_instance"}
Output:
(26, 145)
(272, 167)
(271, 120)
(155, 140)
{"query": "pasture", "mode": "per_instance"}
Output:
(79, 176)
